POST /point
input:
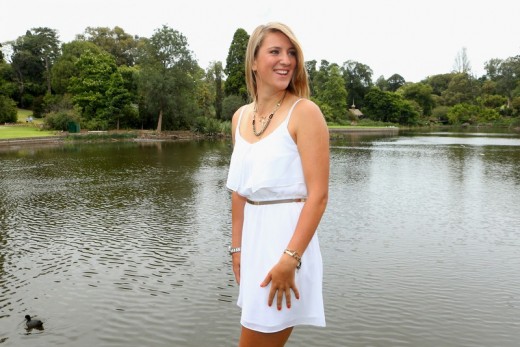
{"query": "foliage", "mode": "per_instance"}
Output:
(420, 93)
(60, 120)
(492, 101)
(395, 82)
(167, 81)
(33, 55)
(440, 114)
(358, 81)
(207, 126)
(235, 66)
(113, 79)
(7, 110)
(389, 107)
(230, 105)
(65, 66)
(99, 91)
(121, 45)
(462, 88)
(333, 96)
(471, 114)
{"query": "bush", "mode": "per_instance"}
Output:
(208, 126)
(440, 113)
(7, 110)
(59, 120)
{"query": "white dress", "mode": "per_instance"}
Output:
(271, 169)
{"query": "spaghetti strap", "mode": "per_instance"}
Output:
(237, 130)
(290, 111)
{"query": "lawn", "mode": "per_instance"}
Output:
(24, 129)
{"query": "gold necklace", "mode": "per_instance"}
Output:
(265, 121)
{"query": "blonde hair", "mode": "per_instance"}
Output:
(299, 84)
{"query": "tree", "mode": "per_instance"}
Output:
(310, 66)
(167, 79)
(7, 110)
(462, 88)
(420, 93)
(439, 83)
(65, 66)
(395, 82)
(333, 95)
(389, 107)
(382, 83)
(218, 73)
(116, 41)
(358, 80)
(462, 64)
(235, 65)
(508, 78)
(32, 57)
(99, 90)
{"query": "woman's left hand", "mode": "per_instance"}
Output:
(282, 279)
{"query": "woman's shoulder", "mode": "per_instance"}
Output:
(306, 108)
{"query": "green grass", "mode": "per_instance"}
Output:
(22, 129)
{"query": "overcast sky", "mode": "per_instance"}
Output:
(414, 38)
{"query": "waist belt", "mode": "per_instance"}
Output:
(271, 202)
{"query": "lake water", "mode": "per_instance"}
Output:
(125, 244)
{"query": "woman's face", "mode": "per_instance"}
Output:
(275, 61)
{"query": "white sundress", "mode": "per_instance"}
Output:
(271, 169)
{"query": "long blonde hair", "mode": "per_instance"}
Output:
(299, 84)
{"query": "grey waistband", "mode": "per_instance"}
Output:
(271, 202)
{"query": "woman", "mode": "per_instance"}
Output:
(279, 181)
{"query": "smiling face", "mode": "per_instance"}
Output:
(275, 62)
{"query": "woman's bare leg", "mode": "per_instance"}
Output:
(251, 338)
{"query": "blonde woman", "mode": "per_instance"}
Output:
(278, 176)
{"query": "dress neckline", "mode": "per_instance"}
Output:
(285, 121)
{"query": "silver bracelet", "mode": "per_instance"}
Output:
(233, 250)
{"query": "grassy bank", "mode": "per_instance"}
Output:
(24, 128)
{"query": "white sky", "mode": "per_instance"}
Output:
(414, 38)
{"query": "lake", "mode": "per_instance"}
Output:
(125, 244)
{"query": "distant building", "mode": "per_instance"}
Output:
(355, 111)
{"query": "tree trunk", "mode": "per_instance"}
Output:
(159, 122)
(48, 75)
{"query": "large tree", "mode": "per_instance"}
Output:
(65, 66)
(33, 55)
(332, 96)
(167, 79)
(420, 93)
(99, 90)
(358, 80)
(235, 65)
(116, 41)
(389, 107)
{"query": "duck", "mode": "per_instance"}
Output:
(33, 323)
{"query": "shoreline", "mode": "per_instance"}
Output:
(150, 135)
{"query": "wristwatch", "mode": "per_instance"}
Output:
(233, 250)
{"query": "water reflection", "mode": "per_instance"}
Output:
(125, 243)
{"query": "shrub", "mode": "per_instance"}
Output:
(8, 113)
(59, 120)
